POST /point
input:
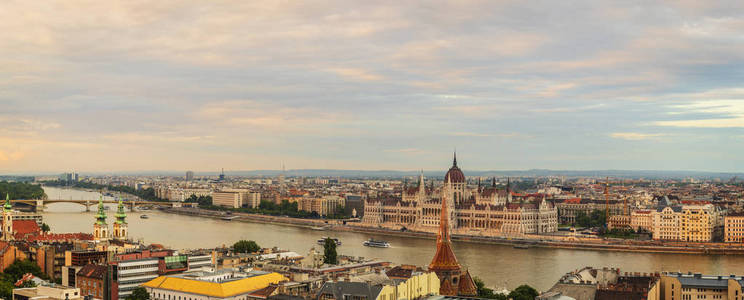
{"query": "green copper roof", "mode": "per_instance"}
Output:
(101, 216)
(121, 215)
(7, 205)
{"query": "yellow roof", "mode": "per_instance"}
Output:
(215, 289)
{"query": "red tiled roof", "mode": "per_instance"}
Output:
(93, 271)
(50, 237)
(25, 228)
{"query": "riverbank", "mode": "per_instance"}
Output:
(541, 242)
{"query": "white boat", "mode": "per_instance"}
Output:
(376, 243)
(321, 228)
(144, 217)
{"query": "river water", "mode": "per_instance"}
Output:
(499, 266)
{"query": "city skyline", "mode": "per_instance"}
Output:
(137, 86)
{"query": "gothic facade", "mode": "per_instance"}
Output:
(481, 210)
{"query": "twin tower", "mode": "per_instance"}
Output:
(100, 227)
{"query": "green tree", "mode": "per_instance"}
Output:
(329, 252)
(484, 292)
(244, 246)
(523, 292)
(6, 290)
(18, 268)
(139, 293)
(45, 227)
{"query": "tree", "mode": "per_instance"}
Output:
(18, 268)
(244, 246)
(45, 227)
(523, 292)
(484, 292)
(6, 290)
(329, 252)
(139, 293)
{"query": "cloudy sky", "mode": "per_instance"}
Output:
(175, 85)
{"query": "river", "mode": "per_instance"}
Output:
(499, 266)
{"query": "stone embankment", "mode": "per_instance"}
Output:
(561, 242)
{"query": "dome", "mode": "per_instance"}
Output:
(454, 174)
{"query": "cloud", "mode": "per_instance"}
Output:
(731, 112)
(141, 84)
(635, 136)
(356, 74)
(405, 151)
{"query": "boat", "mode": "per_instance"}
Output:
(322, 240)
(319, 228)
(520, 246)
(376, 243)
(229, 218)
(144, 217)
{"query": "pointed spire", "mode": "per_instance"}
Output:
(101, 216)
(121, 216)
(454, 159)
(493, 182)
(7, 206)
(421, 179)
(443, 235)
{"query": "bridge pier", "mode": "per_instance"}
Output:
(87, 205)
(39, 205)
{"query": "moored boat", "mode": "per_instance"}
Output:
(144, 217)
(376, 243)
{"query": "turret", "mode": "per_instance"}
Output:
(7, 219)
(100, 227)
(120, 225)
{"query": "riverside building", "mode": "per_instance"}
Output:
(482, 210)
(690, 223)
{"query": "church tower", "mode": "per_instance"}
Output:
(100, 228)
(456, 180)
(453, 282)
(120, 226)
(7, 219)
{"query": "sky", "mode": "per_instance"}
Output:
(107, 86)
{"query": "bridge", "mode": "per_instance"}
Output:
(39, 204)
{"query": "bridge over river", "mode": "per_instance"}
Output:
(39, 204)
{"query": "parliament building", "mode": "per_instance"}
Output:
(477, 210)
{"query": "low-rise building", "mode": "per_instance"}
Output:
(47, 292)
(606, 283)
(223, 284)
(691, 286)
(90, 280)
(232, 199)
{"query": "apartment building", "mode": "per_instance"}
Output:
(690, 223)
(232, 199)
(678, 286)
(733, 228)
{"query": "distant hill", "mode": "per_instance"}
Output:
(650, 174)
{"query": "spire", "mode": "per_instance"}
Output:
(493, 182)
(444, 258)
(421, 181)
(121, 216)
(443, 234)
(454, 159)
(7, 205)
(101, 216)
